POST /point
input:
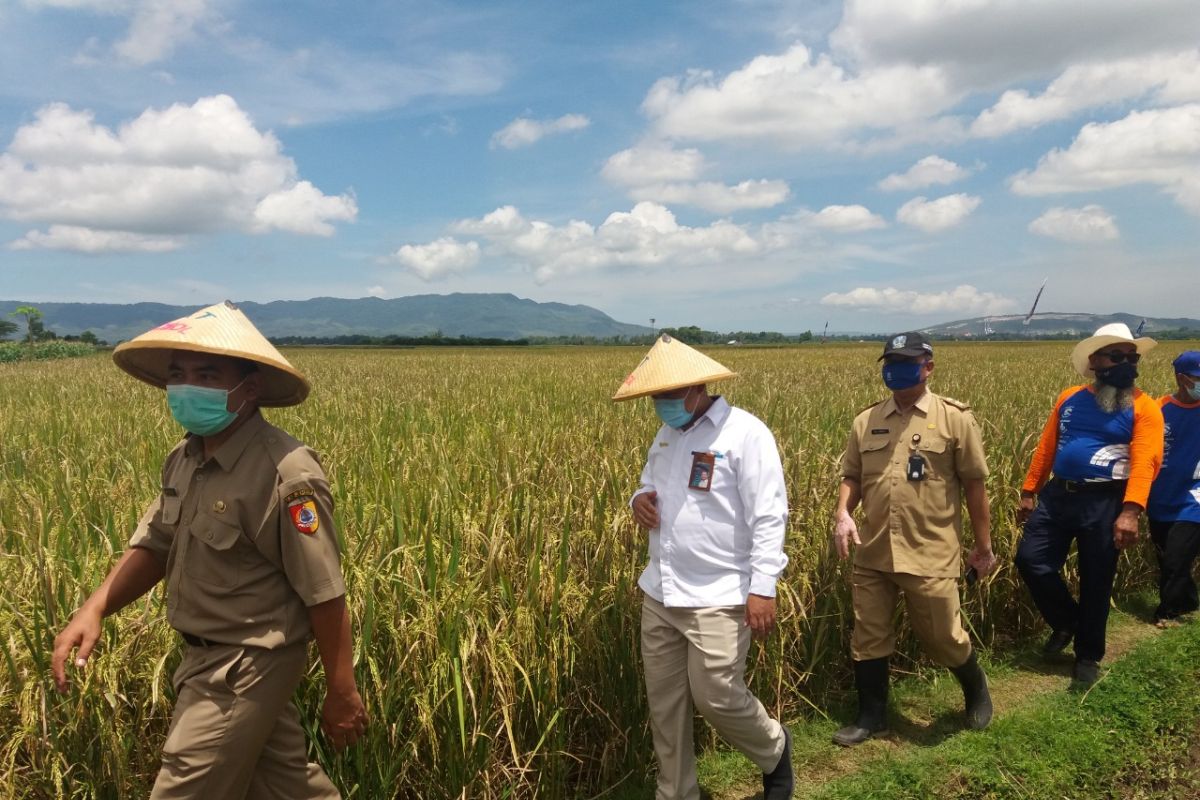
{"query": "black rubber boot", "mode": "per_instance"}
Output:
(779, 783)
(871, 680)
(975, 693)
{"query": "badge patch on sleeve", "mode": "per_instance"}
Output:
(303, 511)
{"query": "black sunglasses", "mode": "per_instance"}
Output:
(1117, 357)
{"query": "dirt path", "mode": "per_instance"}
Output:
(924, 714)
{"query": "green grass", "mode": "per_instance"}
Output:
(1067, 745)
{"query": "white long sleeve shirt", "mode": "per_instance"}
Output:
(713, 548)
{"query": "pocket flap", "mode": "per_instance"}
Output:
(215, 533)
(932, 445)
(871, 445)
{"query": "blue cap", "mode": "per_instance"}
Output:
(1188, 363)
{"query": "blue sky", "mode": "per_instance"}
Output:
(736, 165)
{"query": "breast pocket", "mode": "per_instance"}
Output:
(875, 454)
(939, 458)
(213, 555)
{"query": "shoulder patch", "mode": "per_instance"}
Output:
(302, 508)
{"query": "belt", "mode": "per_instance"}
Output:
(197, 641)
(1072, 487)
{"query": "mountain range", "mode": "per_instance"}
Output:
(1055, 323)
(499, 316)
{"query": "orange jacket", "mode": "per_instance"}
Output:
(1145, 449)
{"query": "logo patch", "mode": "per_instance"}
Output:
(304, 516)
(899, 341)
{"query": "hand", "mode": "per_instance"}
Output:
(982, 559)
(1125, 529)
(844, 532)
(343, 717)
(1025, 507)
(760, 615)
(645, 509)
(82, 631)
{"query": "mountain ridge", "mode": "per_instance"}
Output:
(491, 315)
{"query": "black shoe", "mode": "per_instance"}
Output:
(871, 678)
(975, 693)
(1085, 673)
(779, 783)
(1057, 642)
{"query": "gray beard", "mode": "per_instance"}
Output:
(1111, 399)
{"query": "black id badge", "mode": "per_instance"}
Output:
(916, 468)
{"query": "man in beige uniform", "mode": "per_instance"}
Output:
(906, 459)
(243, 533)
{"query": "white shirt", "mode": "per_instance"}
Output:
(713, 548)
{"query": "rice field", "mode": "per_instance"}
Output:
(490, 558)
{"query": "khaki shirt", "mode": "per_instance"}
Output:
(913, 526)
(247, 537)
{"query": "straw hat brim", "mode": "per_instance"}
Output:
(670, 386)
(670, 365)
(1083, 350)
(282, 385)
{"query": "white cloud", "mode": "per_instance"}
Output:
(522, 132)
(376, 291)
(929, 171)
(984, 44)
(1173, 78)
(965, 299)
(846, 219)
(180, 170)
(716, 197)
(934, 216)
(156, 27)
(438, 258)
(646, 236)
(84, 240)
(303, 209)
(653, 163)
(1088, 224)
(795, 100)
(1160, 147)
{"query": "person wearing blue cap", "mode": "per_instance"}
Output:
(1174, 507)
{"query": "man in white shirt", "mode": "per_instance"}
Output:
(713, 499)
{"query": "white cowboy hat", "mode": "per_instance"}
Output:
(670, 364)
(1112, 333)
(223, 330)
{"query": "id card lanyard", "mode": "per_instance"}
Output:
(916, 463)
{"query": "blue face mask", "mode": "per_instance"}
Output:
(901, 374)
(672, 411)
(200, 410)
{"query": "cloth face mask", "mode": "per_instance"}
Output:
(901, 375)
(201, 410)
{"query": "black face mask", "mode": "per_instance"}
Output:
(1121, 376)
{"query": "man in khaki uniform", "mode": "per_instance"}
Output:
(906, 459)
(243, 532)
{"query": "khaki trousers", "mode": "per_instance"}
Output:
(933, 613)
(698, 655)
(235, 734)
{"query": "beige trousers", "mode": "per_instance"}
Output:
(235, 734)
(933, 613)
(698, 655)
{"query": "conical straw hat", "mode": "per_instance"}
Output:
(223, 330)
(670, 364)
